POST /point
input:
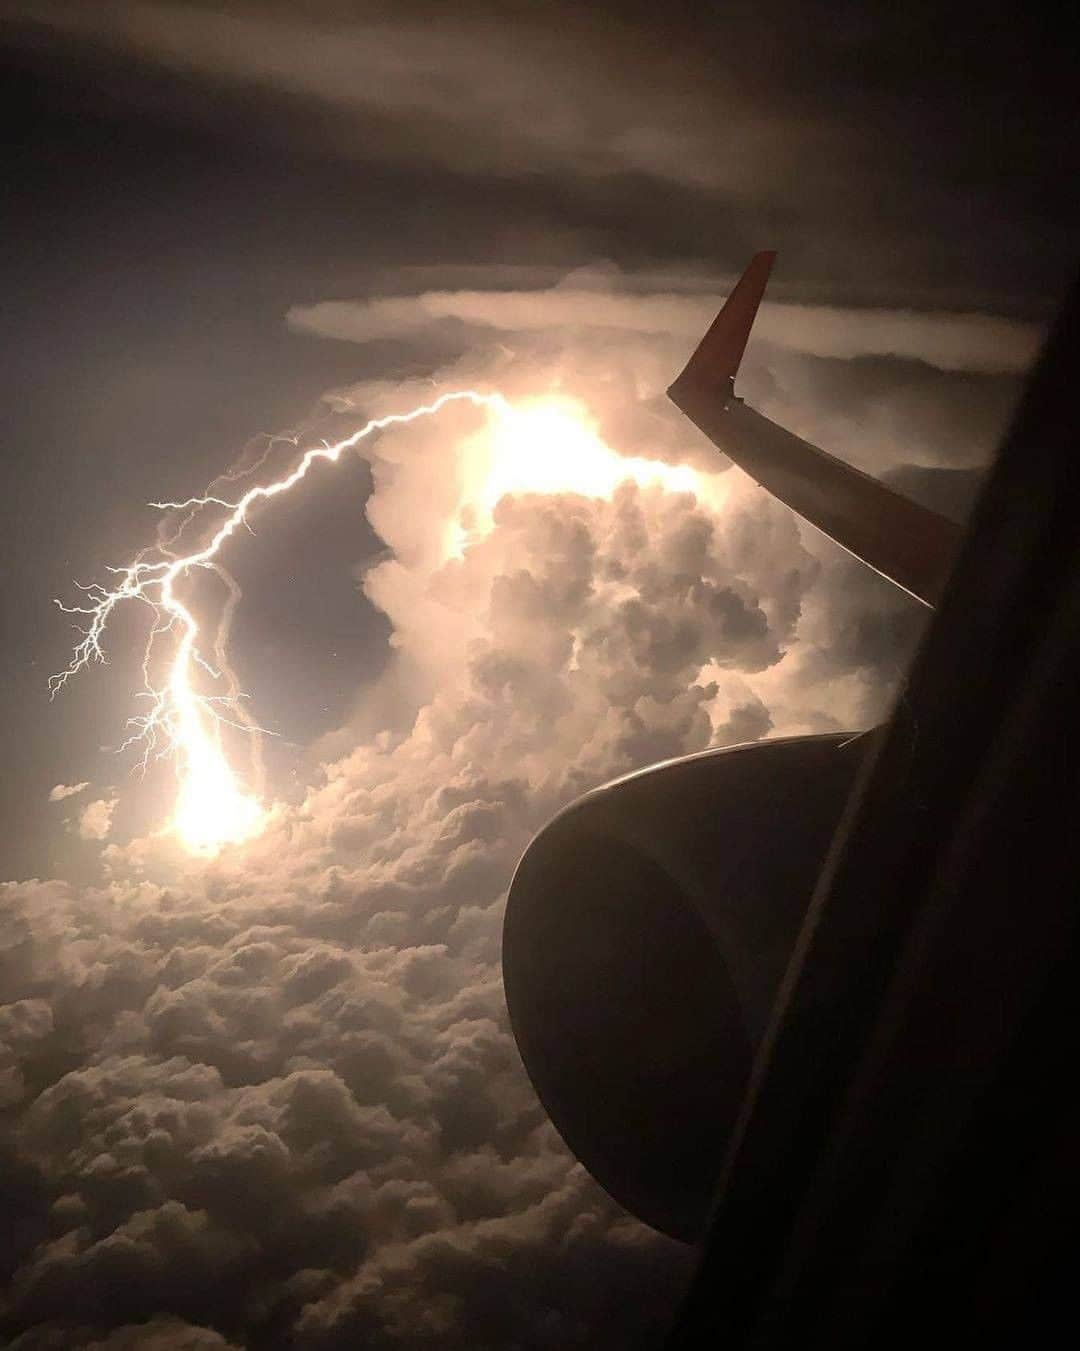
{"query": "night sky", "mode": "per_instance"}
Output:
(270, 1099)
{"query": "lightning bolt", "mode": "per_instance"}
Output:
(212, 809)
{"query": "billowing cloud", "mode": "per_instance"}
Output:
(64, 790)
(95, 819)
(278, 1098)
(273, 1099)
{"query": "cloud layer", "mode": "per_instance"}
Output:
(857, 145)
(273, 1100)
(950, 342)
(458, 90)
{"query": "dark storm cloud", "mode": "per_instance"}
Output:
(856, 138)
(158, 1334)
(452, 87)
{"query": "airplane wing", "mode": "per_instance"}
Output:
(904, 1169)
(904, 541)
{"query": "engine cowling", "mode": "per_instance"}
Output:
(647, 929)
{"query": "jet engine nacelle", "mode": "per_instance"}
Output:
(647, 930)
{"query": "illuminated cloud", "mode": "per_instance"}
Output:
(886, 390)
(272, 1098)
(950, 342)
(63, 790)
(288, 1106)
(95, 819)
(293, 1076)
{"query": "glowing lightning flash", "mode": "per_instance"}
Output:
(212, 809)
(545, 445)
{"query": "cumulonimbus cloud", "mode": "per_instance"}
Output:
(274, 1098)
(451, 88)
(289, 1098)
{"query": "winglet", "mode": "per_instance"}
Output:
(716, 360)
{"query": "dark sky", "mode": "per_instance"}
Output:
(179, 177)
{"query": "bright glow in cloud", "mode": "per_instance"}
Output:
(63, 790)
(316, 1022)
(213, 809)
(550, 445)
(545, 445)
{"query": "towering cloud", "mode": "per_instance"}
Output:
(272, 1099)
